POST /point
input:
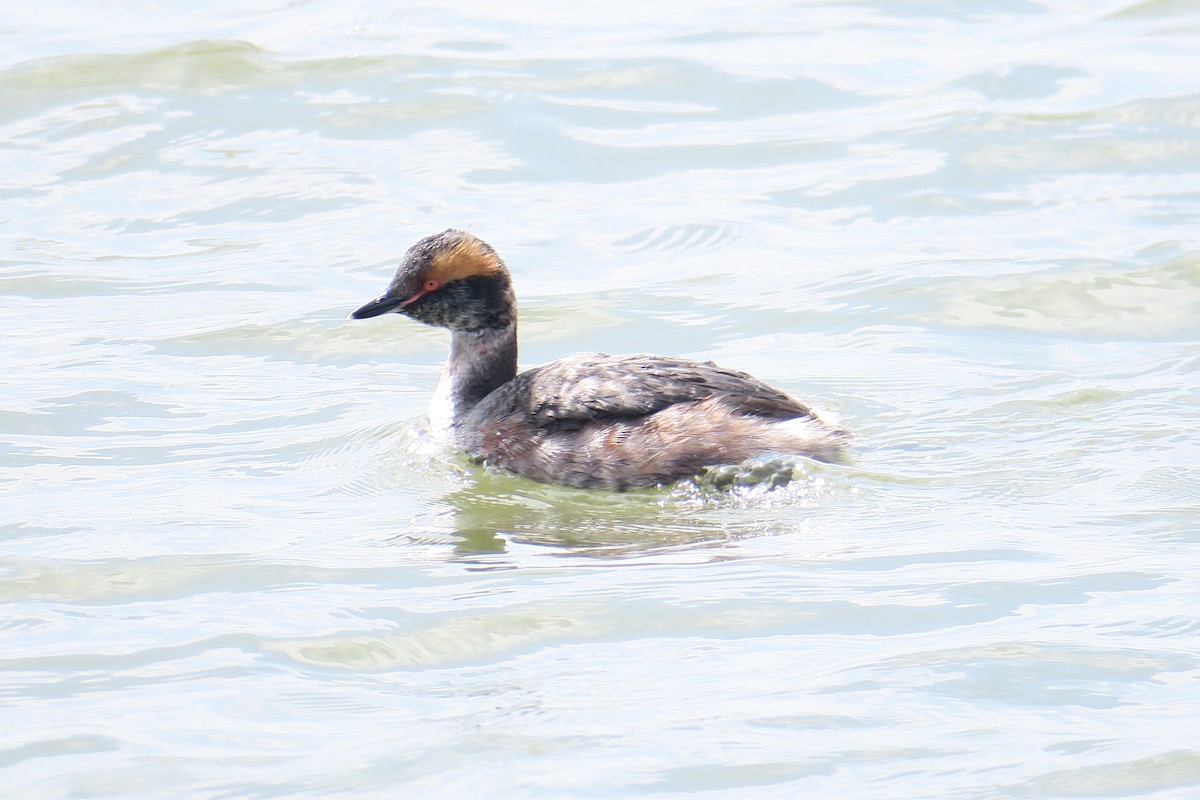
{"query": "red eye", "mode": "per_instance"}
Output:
(431, 285)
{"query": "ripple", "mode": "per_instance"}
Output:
(679, 237)
(1075, 298)
(1173, 769)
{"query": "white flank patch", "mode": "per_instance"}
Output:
(441, 408)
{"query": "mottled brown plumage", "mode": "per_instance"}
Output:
(589, 419)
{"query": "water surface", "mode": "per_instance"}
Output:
(233, 565)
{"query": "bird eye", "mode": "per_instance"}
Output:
(431, 285)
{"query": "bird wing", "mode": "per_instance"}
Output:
(572, 391)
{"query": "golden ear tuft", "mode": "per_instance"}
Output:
(468, 257)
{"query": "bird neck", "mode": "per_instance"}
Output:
(479, 362)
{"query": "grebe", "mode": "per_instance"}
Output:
(588, 419)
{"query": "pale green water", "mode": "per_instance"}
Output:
(231, 567)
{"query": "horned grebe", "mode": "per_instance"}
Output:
(588, 419)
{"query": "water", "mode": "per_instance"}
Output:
(233, 566)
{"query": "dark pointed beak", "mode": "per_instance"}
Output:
(380, 305)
